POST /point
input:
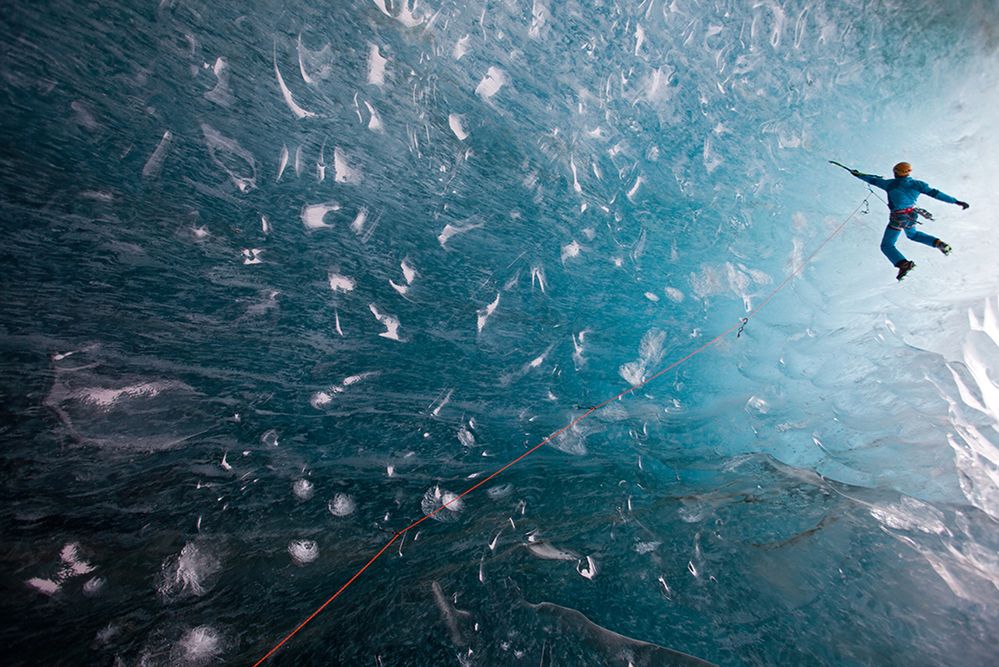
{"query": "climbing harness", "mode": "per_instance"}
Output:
(904, 218)
(738, 327)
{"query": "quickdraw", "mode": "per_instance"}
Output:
(745, 321)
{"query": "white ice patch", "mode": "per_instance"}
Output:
(537, 361)
(282, 161)
(578, 348)
(587, 568)
(197, 647)
(405, 16)
(376, 66)
(674, 295)
(228, 155)
(483, 314)
(656, 88)
(711, 158)
(409, 275)
(316, 65)
(571, 250)
(976, 456)
(646, 547)
(727, 277)
(456, 123)
(220, 94)
(757, 405)
(449, 503)
(71, 565)
(408, 272)
(106, 398)
(575, 178)
(667, 592)
(639, 37)
(46, 586)
(286, 93)
(571, 441)
(320, 399)
(453, 230)
(461, 47)
(357, 226)
(491, 83)
(465, 436)
(252, 256)
(797, 256)
(341, 505)
(323, 398)
(548, 551)
(94, 586)
(910, 515)
(354, 379)
(799, 221)
(188, 573)
(303, 552)
(390, 322)
(539, 18)
(650, 354)
(83, 116)
(154, 165)
(313, 214)
(538, 277)
(341, 283)
(303, 489)
(636, 187)
(321, 163)
(344, 172)
(374, 120)
(500, 491)
(441, 403)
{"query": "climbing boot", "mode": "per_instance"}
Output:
(904, 267)
(942, 246)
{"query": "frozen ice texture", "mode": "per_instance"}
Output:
(419, 238)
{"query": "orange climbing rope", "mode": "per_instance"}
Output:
(740, 326)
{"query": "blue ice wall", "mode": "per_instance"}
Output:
(281, 280)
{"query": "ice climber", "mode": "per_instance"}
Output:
(903, 190)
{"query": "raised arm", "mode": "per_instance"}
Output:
(871, 178)
(936, 194)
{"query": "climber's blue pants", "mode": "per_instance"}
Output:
(891, 236)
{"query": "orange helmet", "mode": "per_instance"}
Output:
(902, 169)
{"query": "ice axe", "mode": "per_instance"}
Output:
(852, 171)
(838, 164)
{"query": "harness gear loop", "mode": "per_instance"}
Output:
(907, 217)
